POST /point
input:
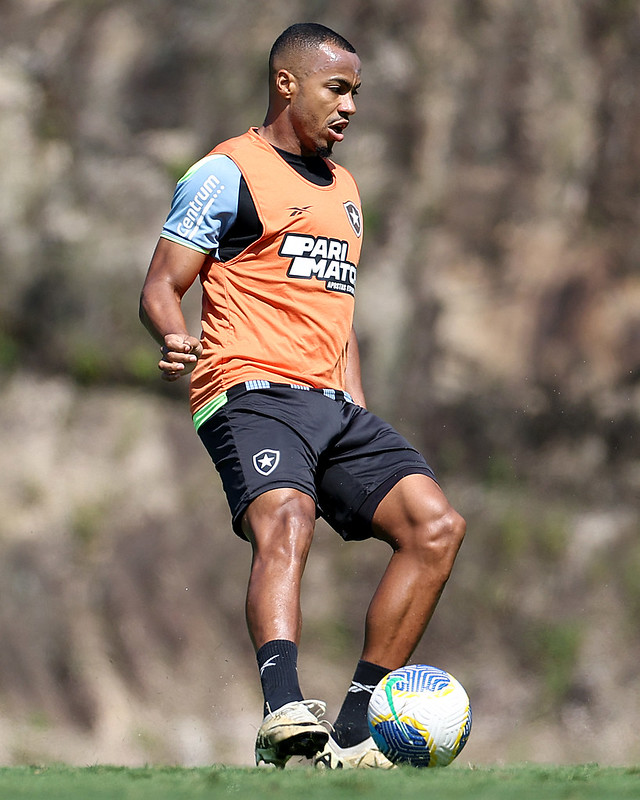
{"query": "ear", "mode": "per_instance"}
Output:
(285, 83)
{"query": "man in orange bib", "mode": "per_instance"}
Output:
(273, 229)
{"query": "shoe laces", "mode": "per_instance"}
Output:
(317, 707)
(299, 710)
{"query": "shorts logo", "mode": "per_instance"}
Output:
(266, 461)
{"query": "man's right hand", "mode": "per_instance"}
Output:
(180, 354)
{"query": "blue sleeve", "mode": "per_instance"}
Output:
(205, 204)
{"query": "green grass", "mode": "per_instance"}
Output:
(525, 782)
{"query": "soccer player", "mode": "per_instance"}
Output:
(273, 228)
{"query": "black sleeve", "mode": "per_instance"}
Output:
(246, 229)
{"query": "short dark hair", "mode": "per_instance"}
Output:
(304, 36)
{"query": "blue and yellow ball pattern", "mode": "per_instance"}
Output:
(420, 715)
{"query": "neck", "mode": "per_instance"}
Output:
(280, 139)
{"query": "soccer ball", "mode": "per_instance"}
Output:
(420, 715)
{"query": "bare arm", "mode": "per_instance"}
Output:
(172, 270)
(353, 378)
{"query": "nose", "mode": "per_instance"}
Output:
(347, 104)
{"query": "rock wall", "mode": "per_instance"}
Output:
(499, 318)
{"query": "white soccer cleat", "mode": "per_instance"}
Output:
(292, 730)
(364, 755)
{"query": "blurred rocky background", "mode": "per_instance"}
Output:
(498, 155)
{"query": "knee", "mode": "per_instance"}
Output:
(282, 529)
(292, 525)
(451, 530)
(437, 538)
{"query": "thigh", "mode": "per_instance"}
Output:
(360, 469)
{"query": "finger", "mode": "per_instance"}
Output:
(178, 344)
(174, 357)
(170, 370)
(171, 366)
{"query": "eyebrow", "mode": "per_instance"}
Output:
(344, 82)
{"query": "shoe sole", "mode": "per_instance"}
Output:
(305, 744)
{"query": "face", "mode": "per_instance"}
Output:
(322, 99)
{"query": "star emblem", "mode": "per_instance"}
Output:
(266, 461)
(354, 217)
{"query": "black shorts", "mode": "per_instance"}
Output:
(338, 453)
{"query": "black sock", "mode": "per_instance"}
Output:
(351, 726)
(278, 665)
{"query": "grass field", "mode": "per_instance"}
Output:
(588, 782)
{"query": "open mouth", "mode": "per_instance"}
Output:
(337, 129)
